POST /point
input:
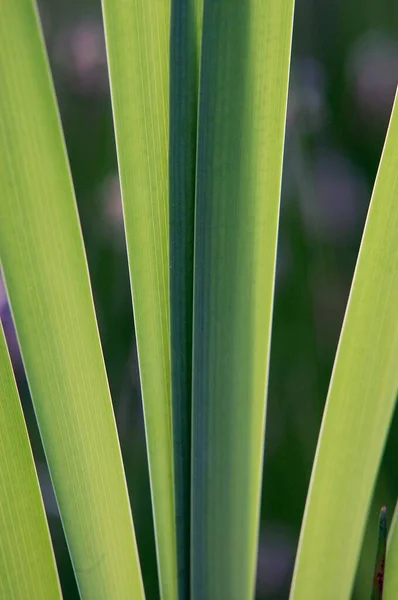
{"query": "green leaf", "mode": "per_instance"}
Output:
(242, 108)
(27, 565)
(48, 286)
(185, 37)
(390, 589)
(360, 402)
(137, 37)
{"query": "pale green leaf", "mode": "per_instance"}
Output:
(27, 565)
(360, 402)
(47, 281)
(137, 38)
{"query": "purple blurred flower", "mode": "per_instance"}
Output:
(372, 73)
(339, 198)
(8, 326)
(275, 561)
(79, 52)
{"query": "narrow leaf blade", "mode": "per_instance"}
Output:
(242, 108)
(137, 37)
(46, 276)
(185, 34)
(360, 402)
(27, 565)
(390, 589)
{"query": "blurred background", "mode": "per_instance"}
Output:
(343, 78)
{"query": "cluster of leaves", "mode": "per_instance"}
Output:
(199, 92)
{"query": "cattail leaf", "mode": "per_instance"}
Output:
(245, 58)
(360, 403)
